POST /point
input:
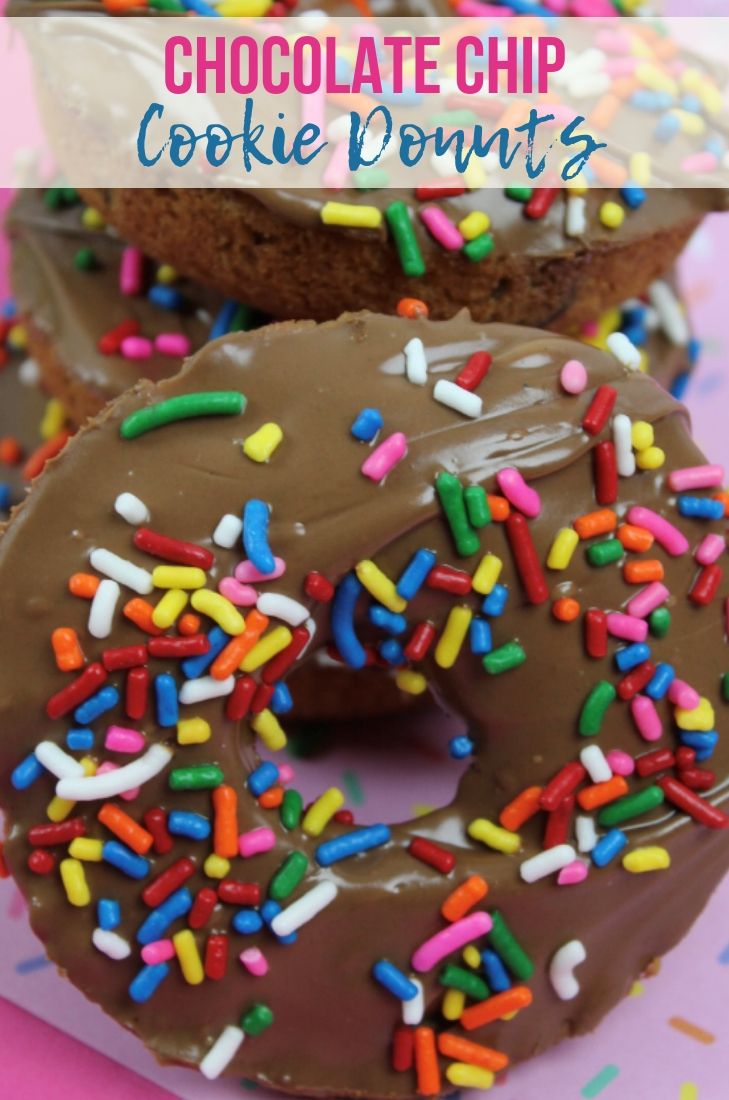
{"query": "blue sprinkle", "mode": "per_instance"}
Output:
(343, 70)
(460, 747)
(247, 921)
(694, 350)
(392, 652)
(387, 620)
(715, 145)
(645, 100)
(342, 622)
(679, 384)
(701, 507)
(349, 844)
(480, 636)
(171, 909)
(194, 826)
(255, 536)
(690, 102)
(124, 859)
(98, 704)
(224, 319)
(394, 981)
(192, 667)
(281, 701)
(632, 656)
(704, 742)
(262, 779)
(724, 957)
(201, 8)
(637, 334)
(495, 971)
(108, 914)
(495, 601)
(367, 425)
(608, 847)
(668, 126)
(415, 573)
(661, 682)
(634, 314)
(27, 772)
(5, 496)
(632, 195)
(146, 981)
(165, 690)
(269, 911)
(408, 97)
(165, 296)
(29, 966)
(8, 310)
(80, 740)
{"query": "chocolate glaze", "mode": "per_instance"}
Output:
(332, 1021)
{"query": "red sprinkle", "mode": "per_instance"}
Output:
(403, 1044)
(181, 553)
(202, 908)
(48, 450)
(170, 880)
(525, 556)
(449, 579)
(40, 836)
(194, 645)
(41, 862)
(706, 585)
(128, 656)
(685, 757)
(344, 817)
(540, 202)
(155, 821)
(606, 473)
(474, 371)
(216, 957)
(318, 587)
(558, 823)
(656, 761)
(636, 680)
(82, 688)
(596, 633)
(4, 872)
(697, 779)
(279, 664)
(597, 415)
(430, 853)
(439, 189)
(239, 701)
(692, 804)
(564, 782)
(262, 697)
(111, 341)
(419, 642)
(239, 893)
(135, 701)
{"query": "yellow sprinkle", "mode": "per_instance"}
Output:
(642, 435)
(474, 224)
(261, 445)
(563, 548)
(464, 1076)
(342, 213)
(487, 574)
(578, 185)
(17, 338)
(702, 718)
(192, 731)
(471, 957)
(689, 1092)
(380, 586)
(322, 811)
(74, 882)
(475, 175)
(166, 274)
(220, 610)
(266, 725)
(188, 956)
(169, 607)
(265, 648)
(636, 989)
(241, 8)
(607, 323)
(453, 1005)
(53, 420)
(691, 123)
(611, 214)
(178, 576)
(451, 640)
(652, 458)
(690, 80)
(92, 219)
(651, 76)
(493, 836)
(644, 361)
(422, 809)
(638, 47)
(83, 847)
(58, 809)
(646, 859)
(711, 98)
(510, 1015)
(639, 169)
(414, 683)
(216, 866)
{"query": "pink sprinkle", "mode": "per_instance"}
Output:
(158, 952)
(384, 457)
(621, 66)
(173, 343)
(695, 477)
(470, 8)
(646, 718)
(590, 328)
(591, 9)
(337, 170)
(709, 549)
(254, 960)
(664, 532)
(286, 773)
(627, 627)
(256, 841)
(683, 695)
(573, 376)
(131, 271)
(559, 7)
(441, 227)
(518, 493)
(119, 739)
(457, 935)
(699, 163)
(242, 595)
(613, 42)
(136, 347)
(648, 600)
(572, 873)
(246, 572)
(108, 766)
(620, 762)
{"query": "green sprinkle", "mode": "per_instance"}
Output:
(595, 706)
(479, 247)
(291, 808)
(69, 196)
(167, 5)
(246, 1082)
(288, 876)
(310, 739)
(53, 198)
(203, 777)
(257, 1019)
(225, 403)
(504, 658)
(451, 496)
(725, 687)
(406, 242)
(353, 788)
(477, 505)
(509, 951)
(85, 260)
(632, 805)
(454, 977)
(603, 553)
(659, 622)
(519, 194)
(371, 179)
(454, 118)
(243, 319)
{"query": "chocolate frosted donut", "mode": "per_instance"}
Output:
(515, 627)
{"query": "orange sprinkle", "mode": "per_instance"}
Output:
(495, 1007)
(604, 112)
(83, 585)
(665, 49)
(10, 451)
(596, 523)
(457, 904)
(599, 794)
(524, 806)
(624, 86)
(608, 172)
(225, 831)
(140, 612)
(516, 113)
(188, 624)
(724, 498)
(123, 826)
(66, 649)
(692, 1030)
(115, 6)
(426, 1062)
(641, 572)
(499, 508)
(473, 1054)
(635, 538)
(271, 799)
(45, 453)
(237, 648)
(412, 308)
(565, 609)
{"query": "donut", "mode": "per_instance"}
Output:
(458, 476)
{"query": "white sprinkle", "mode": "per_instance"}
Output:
(102, 609)
(673, 320)
(277, 606)
(564, 961)
(624, 350)
(89, 787)
(58, 762)
(29, 372)
(583, 85)
(455, 397)
(122, 571)
(222, 1053)
(304, 909)
(593, 759)
(132, 509)
(416, 365)
(623, 443)
(444, 165)
(228, 531)
(206, 687)
(586, 833)
(547, 862)
(575, 220)
(413, 1011)
(109, 943)
(338, 129)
